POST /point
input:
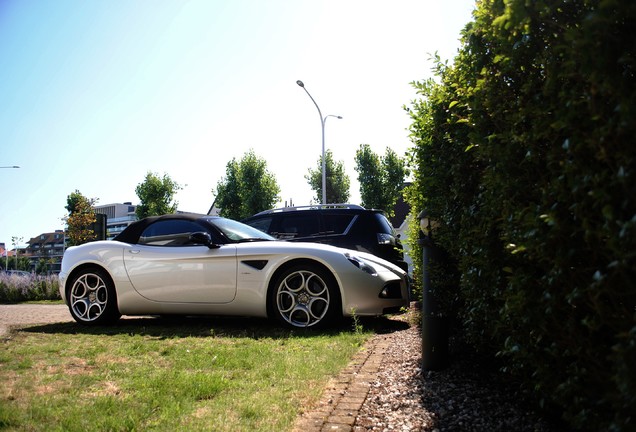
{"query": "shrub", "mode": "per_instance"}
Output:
(14, 289)
(524, 155)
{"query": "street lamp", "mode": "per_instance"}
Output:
(6, 251)
(323, 120)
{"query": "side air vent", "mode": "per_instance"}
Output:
(257, 264)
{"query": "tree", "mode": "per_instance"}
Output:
(44, 266)
(17, 262)
(338, 182)
(248, 188)
(381, 178)
(80, 218)
(156, 196)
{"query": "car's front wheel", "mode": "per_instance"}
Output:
(92, 298)
(305, 296)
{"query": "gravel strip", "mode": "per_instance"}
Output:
(458, 398)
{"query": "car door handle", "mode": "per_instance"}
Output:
(134, 251)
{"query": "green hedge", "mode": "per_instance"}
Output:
(523, 153)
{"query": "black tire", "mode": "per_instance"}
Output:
(305, 296)
(92, 299)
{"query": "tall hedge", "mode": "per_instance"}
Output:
(524, 153)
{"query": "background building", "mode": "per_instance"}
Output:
(118, 217)
(46, 249)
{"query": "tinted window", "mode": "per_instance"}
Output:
(237, 231)
(385, 224)
(169, 233)
(263, 224)
(337, 223)
(294, 225)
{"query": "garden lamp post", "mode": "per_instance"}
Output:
(323, 120)
(434, 327)
(6, 251)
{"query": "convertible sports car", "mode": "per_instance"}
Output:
(194, 265)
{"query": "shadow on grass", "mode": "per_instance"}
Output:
(167, 327)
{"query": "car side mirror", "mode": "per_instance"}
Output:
(202, 237)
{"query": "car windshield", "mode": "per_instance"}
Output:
(238, 231)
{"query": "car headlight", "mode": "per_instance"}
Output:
(361, 264)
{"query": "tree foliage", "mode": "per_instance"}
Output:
(248, 188)
(80, 219)
(337, 181)
(156, 196)
(381, 178)
(20, 262)
(523, 154)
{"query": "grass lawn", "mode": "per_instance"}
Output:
(208, 374)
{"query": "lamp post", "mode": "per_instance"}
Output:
(323, 120)
(6, 251)
(434, 327)
(425, 241)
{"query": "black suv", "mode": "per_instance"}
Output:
(343, 225)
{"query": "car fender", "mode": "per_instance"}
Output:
(108, 255)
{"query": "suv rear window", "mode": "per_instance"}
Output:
(294, 225)
(385, 224)
(338, 223)
(263, 224)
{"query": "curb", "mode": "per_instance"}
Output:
(344, 396)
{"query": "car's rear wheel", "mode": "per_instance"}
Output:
(92, 298)
(305, 296)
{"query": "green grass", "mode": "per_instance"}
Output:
(208, 374)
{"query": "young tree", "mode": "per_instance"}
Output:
(381, 178)
(44, 265)
(338, 182)
(80, 218)
(156, 196)
(247, 188)
(16, 247)
(19, 263)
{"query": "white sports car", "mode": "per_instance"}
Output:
(193, 265)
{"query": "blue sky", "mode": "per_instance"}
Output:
(94, 93)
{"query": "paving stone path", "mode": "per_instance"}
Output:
(23, 314)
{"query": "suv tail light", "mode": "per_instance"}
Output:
(386, 239)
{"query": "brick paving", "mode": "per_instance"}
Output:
(342, 398)
(22, 314)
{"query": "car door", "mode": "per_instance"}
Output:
(165, 267)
